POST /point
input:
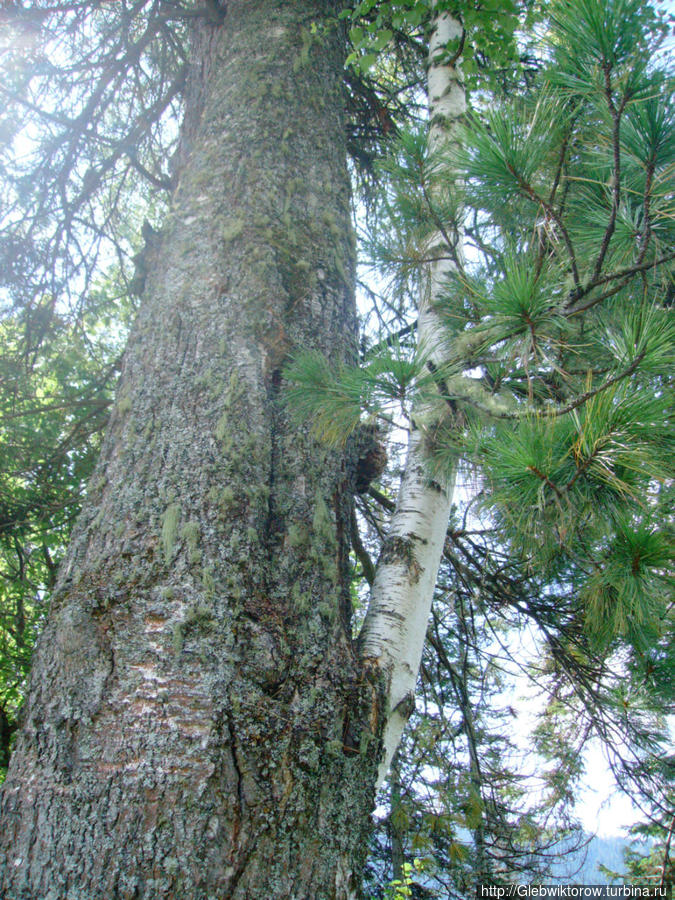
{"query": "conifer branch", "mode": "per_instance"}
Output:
(624, 274)
(616, 173)
(361, 553)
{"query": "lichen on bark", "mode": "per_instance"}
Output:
(196, 701)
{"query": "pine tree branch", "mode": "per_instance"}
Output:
(361, 553)
(157, 181)
(450, 243)
(666, 854)
(551, 197)
(452, 398)
(391, 340)
(380, 498)
(616, 173)
(530, 192)
(624, 274)
(646, 206)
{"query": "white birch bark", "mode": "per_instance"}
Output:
(395, 626)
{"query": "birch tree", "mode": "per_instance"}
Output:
(395, 625)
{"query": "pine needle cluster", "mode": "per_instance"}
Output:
(557, 327)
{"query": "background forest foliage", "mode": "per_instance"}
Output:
(555, 397)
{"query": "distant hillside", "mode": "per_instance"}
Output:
(579, 867)
(582, 867)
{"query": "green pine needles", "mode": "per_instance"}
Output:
(557, 325)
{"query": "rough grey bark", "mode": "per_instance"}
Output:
(197, 724)
(396, 828)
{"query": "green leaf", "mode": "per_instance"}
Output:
(381, 40)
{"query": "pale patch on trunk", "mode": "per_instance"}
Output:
(344, 882)
(395, 626)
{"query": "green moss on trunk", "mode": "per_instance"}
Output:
(187, 722)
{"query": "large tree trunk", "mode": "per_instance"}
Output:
(198, 725)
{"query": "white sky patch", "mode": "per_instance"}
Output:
(602, 808)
